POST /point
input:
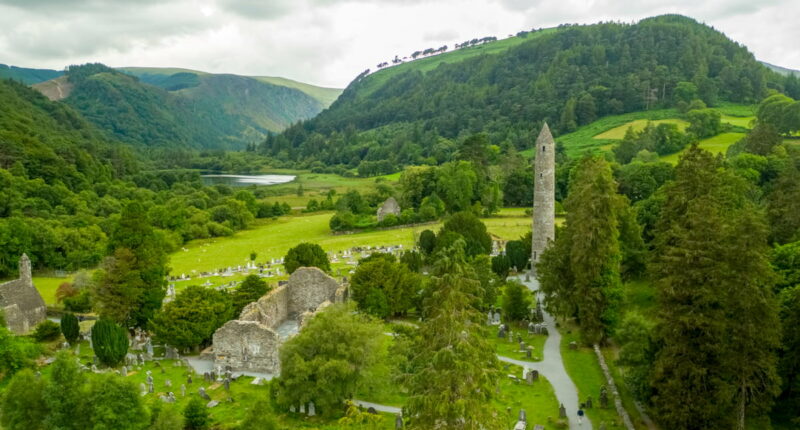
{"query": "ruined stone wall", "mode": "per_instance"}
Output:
(247, 345)
(271, 309)
(308, 288)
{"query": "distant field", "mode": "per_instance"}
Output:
(715, 145)
(738, 121)
(639, 125)
(47, 287)
(271, 239)
(325, 95)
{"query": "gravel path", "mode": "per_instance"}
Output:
(552, 367)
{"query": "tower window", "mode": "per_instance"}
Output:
(543, 148)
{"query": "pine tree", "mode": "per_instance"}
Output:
(592, 210)
(718, 323)
(456, 369)
(70, 328)
(110, 342)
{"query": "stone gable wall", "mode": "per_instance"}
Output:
(247, 345)
(20, 301)
(270, 310)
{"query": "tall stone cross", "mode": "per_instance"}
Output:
(544, 192)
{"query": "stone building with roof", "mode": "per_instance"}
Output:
(20, 302)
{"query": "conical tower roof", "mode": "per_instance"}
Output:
(545, 137)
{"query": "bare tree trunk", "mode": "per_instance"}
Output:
(740, 424)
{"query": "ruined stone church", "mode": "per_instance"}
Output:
(20, 302)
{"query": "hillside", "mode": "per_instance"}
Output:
(200, 111)
(28, 76)
(42, 139)
(569, 76)
(173, 79)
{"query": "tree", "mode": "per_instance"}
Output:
(516, 301)
(121, 288)
(70, 328)
(16, 352)
(168, 419)
(259, 417)
(789, 365)
(762, 139)
(786, 262)
(63, 395)
(191, 319)
(110, 342)
(383, 288)
(326, 361)
(519, 253)
(456, 370)
(501, 265)
(47, 330)
(704, 122)
(113, 402)
(195, 415)
(594, 257)
(455, 185)
(23, 406)
(250, 290)
(473, 231)
(717, 317)
(637, 352)
(427, 241)
(142, 284)
(306, 255)
(783, 205)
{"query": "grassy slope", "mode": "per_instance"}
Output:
(618, 133)
(324, 95)
(378, 78)
(715, 145)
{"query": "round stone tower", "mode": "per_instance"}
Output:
(544, 192)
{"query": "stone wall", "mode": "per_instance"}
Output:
(544, 177)
(20, 301)
(251, 343)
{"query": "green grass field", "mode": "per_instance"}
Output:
(618, 133)
(47, 287)
(584, 370)
(715, 145)
(738, 121)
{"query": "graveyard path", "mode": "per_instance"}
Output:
(377, 407)
(552, 367)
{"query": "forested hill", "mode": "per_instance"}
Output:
(28, 76)
(569, 76)
(183, 109)
(40, 139)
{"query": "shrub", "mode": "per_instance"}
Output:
(516, 301)
(427, 241)
(306, 255)
(79, 303)
(195, 415)
(110, 342)
(70, 327)
(47, 330)
(65, 290)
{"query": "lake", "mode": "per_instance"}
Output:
(246, 180)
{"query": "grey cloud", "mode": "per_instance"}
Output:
(258, 10)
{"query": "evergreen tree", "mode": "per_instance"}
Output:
(141, 288)
(717, 327)
(783, 206)
(427, 241)
(456, 369)
(110, 342)
(70, 328)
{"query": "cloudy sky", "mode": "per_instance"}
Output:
(328, 42)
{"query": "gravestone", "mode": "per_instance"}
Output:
(573, 345)
(562, 411)
(538, 427)
(501, 332)
(202, 393)
(589, 402)
(292, 409)
(312, 409)
(143, 388)
(529, 352)
(189, 379)
(183, 390)
(603, 397)
(522, 346)
(302, 408)
(94, 368)
(522, 416)
(150, 388)
(212, 404)
(529, 377)
(372, 411)
(227, 384)
(544, 331)
(398, 421)
(78, 350)
(124, 371)
(531, 327)
(168, 383)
